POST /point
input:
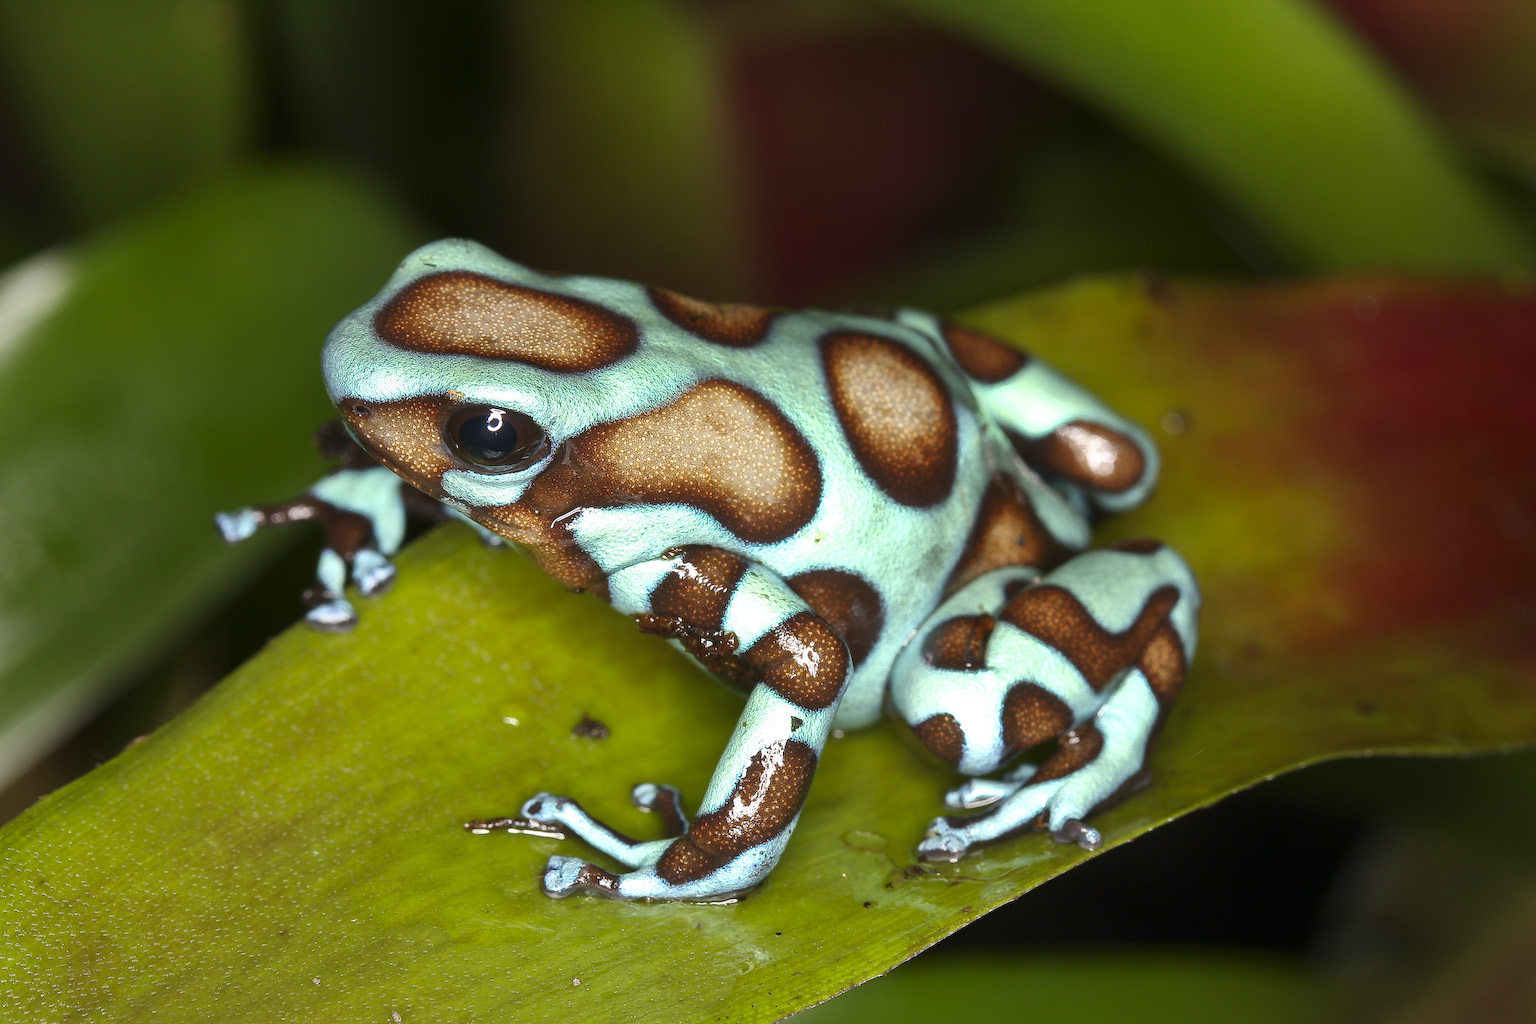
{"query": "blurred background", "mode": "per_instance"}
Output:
(192, 191)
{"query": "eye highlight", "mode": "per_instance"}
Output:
(495, 439)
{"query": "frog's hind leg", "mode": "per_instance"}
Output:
(1089, 655)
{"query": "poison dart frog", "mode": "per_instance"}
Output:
(840, 514)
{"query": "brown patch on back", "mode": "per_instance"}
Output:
(1007, 532)
(460, 312)
(764, 802)
(896, 413)
(729, 324)
(719, 447)
(1052, 614)
(959, 643)
(848, 604)
(1032, 715)
(942, 734)
(802, 660)
(982, 356)
(1089, 454)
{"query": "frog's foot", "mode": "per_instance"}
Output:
(330, 612)
(372, 572)
(238, 525)
(1093, 763)
(562, 811)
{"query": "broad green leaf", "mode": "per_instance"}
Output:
(1345, 468)
(1274, 105)
(147, 378)
(127, 102)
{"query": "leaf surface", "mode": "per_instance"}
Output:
(1346, 468)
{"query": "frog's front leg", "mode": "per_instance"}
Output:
(742, 620)
(1089, 655)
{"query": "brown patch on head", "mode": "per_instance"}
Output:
(698, 588)
(764, 802)
(1007, 532)
(1164, 663)
(896, 414)
(982, 356)
(405, 435)
(1031, 716)
(849, 605)
(942, 735)
(548, 542)
(1052, 614)
(1078, 748)
(1088, 454)
(718, 447)
(959, 643)
(460, 312)
(802, 660)
(724, 324)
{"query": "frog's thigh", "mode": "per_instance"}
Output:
(1090, 654)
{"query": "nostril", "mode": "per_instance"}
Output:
(361, 411)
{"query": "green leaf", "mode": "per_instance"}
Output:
(148, 378)
(1351, 486)
(127, 102)
(1275, 106)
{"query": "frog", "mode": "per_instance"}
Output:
(844, 515)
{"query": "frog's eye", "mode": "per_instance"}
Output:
(495, 439)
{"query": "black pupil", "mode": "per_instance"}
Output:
(498, 438)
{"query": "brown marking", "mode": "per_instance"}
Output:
(698, 588)
(896, 413)
(346, 532)
(1163, 663)
(460, 312)
(1053, 615)
(982, 356)
(959, 643)
(595, 878)
(802, 660)
(729, 324)
(1007, 532)
(1031, 716)
(715, 649)
(669, 808)
(1088, 454)
(762, 805)
(1078, 748)
(405, 435)
(848, 604)
(1138, 546)
(942, 734)
(719, 447)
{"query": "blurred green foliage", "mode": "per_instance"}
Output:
(211, 183)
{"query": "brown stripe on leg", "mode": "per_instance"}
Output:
(802, 660)
(1053, 615)
(764, 802)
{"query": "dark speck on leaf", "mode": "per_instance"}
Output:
(591, 728)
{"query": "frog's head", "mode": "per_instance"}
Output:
(467, 372)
